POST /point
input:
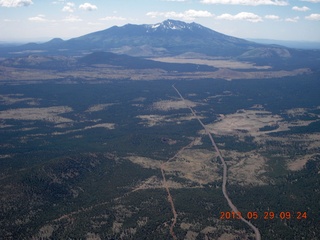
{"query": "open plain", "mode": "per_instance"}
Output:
(110, 159)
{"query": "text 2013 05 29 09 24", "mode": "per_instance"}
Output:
(268, 215)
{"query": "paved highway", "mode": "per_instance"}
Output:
(225, 169)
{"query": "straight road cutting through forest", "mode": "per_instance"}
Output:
(225, 168)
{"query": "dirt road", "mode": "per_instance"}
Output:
(225, 169)
(173, 209)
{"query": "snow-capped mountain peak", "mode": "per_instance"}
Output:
(169, 24)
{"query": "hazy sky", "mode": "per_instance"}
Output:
(33, 20)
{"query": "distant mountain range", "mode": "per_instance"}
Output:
(169, 38)
(290, 44)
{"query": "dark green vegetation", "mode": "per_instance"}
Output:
(63, 63)
(139, 63)
(293, 194)
(67, 180)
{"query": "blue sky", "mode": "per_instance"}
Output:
(40, 20)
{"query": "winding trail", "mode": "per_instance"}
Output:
(173, 209)
(225, 169)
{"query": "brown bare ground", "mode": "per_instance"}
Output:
(109, 126)
(296, 112)
(300, 162)
(247, 123)
(9, 99)
(185, 226)
(156, 183)
(250, 121)
(246, 168)
(191, 235)
(196, 165)
(167, 105)
(49, 114)
(228, 236)
(208, 229)
(45, 232)
(232, 64)
(26, 137)
(145, 162)
(99, 107)
(102, 72)
(154, 120)
(101, 125)
(93, 236)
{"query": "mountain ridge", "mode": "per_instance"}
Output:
(170, 38)
(173, 35)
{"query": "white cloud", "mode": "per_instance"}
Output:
(72, 18)
(247, 16)
(15, 3)
(88, 7)
(247, 2)
(38, 18)
(164, 14)
(69, 7)
(187, 15)
(295, 19)
(197, 14)
(301, 9)
(113, 18)
(272, 17)
(59, 2)
(314, 16)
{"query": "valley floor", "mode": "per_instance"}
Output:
(129, 160)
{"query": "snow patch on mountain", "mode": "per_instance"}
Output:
(172, 25)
